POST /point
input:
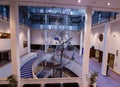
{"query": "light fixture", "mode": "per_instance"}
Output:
(108, 3)
(0, 34)
(79, 1)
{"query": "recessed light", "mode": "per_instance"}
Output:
(108, 3)
(79, 1)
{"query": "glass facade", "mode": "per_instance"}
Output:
(55, 18)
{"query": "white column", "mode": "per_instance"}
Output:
(105, 50)
(81, 41)
(86, 44)
(46, 20)
(28, 39)
(45, 42)
(14, 28)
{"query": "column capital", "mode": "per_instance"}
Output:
(13, 2)
(88, 9)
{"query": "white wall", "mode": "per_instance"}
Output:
(4, 26)
(37, 36)
(115, 44)
(94, 37)
(114, 41)
(5, 44)
(22, 38)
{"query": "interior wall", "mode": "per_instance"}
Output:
(37, 37)
(22, 38)
(4, 26)
(94, 37)
(115, 44)
(114, 41)
(5, 44)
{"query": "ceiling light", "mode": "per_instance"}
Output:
(79, 1)
(108, 3)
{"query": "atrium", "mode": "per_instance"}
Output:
(51, 43)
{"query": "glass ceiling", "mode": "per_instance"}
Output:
(56, 18)
(53, 18)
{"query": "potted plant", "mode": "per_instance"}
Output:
(93, 78)
(12, 81)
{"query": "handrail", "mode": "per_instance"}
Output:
(36, 62)
(73, 66)
(3, 81)
(29, 57)
(44, 81)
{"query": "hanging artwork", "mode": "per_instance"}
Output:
(100, 37)
(24, 44)
(4, 35)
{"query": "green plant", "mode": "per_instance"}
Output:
(12, 81)
(93, 78)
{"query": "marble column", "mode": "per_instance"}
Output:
(45, 41)
(86, 44)
(46, 35)
(105, 48)
(81, 42)
(14, 29)
(28, 40)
